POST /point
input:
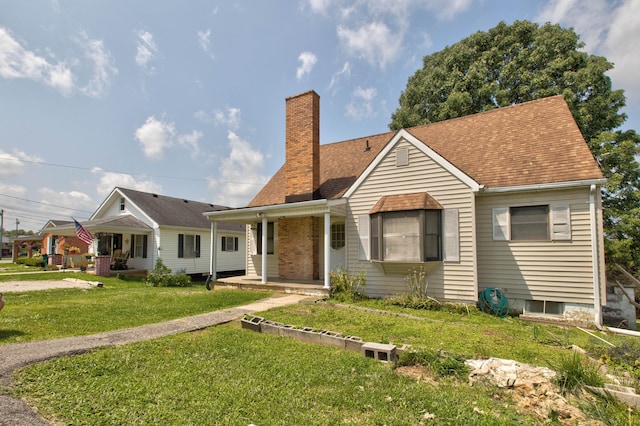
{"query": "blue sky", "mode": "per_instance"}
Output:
(186, 99)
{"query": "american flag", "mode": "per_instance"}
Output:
(82, 233)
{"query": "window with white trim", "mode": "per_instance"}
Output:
(138, 246)
(337, 235)
(188, 246)
(122, 205)
(229, 244)
(532, 223)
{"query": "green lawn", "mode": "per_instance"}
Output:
(230, 376)
(39, 315)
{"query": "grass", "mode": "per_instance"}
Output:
(40, 315)
(227, 375)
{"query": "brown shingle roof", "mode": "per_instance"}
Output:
(532, 143)
(402, 202)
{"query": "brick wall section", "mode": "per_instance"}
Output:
(302, 147)
(299, 238)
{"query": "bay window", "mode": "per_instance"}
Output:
(406, 236)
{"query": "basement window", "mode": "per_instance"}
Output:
(544, 307)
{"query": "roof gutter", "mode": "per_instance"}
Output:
(278, 210)
(545, 186)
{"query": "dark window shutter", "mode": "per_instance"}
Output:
(180, 245)
(197, 245)
(132, 247)
(144, 246)
(224, 244)
(235, 244)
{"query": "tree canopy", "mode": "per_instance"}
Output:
(516, 63)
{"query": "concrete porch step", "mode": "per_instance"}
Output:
(280, 287)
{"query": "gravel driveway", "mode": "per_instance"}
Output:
(19, 286)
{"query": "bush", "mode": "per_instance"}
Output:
(30, 261)
(346, 287)
(161, 276)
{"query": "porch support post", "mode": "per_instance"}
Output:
(263, 279)
(213, 267)
(327, 250)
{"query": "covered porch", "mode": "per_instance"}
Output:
(121, 240)
(289, 245)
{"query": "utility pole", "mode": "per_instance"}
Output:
(15, 246)
(1, 232)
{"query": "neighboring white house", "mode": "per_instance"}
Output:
(149, 226)
(508, 198)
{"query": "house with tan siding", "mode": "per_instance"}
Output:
(506, 199)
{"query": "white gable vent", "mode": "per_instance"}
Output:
(402, 156)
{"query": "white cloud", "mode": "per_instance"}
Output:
(78, 201)
(609, 29)
(344, 73)
(155, 136)
(621, 48)
(361, 105)
(17, 62)
(146, 51)
(109, 180)
(191, 142)
(307, 62)
(447, 9)
(319, 6)
(103, 69)
(12, 164)
(204, 39)
(374, 42)
(229, 117)
(588, 18)
(240, 174)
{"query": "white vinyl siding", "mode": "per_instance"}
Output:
(231, 260)
(451, 240)
(364, 243)
(558, 269)
(169, 239)
(449, 280)
(254, 260)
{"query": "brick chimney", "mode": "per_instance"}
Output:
(302, 147)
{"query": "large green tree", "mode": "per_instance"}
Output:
(510, 64)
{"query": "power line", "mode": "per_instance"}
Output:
(46, 204)
(42, 163)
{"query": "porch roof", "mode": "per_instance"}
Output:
(305, 208)
(111, 224)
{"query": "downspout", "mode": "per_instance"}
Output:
(212, 261)
(214, 250)
(595, 258)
